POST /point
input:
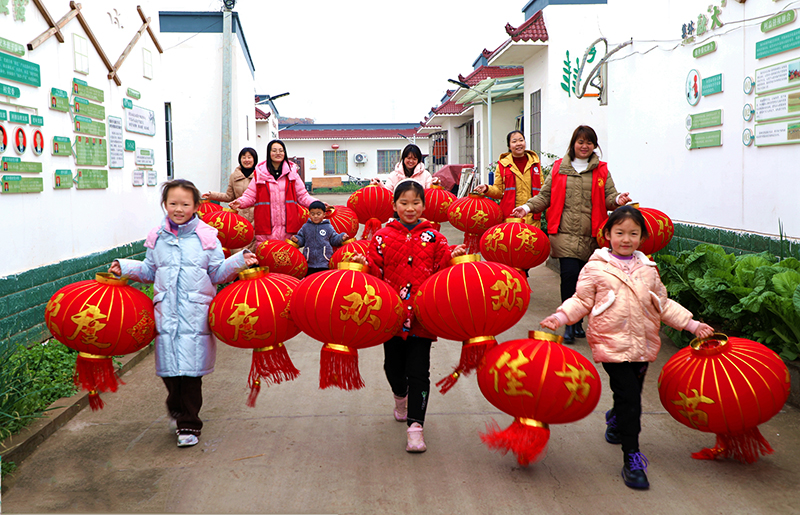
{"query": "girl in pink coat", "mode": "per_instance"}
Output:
(621, 292)
(275, 195)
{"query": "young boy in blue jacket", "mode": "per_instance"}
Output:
(318, 237)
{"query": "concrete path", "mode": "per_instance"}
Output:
(305, 450)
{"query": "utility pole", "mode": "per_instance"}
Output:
(227, 70)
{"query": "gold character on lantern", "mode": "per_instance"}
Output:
(480, 218)
(576, 384)
(527, 238)
(88, 323)
(281, 258)
(513, 384)
(54, 306)
(240, 229)
(690, 411)
(359, 303)
(507, 296)
(243, 322)
(457, 214)
(493, 241)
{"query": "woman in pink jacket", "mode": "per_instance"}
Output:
(275, 194)
(621, 292)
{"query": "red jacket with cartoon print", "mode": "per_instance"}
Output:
(404, 259)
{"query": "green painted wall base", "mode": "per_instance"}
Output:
(23, 296)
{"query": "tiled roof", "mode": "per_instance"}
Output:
(450, 107)
(341, 134)
(494, 72)
(261, 115)
(532, 30)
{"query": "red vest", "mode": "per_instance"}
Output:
(558, 194)
(509, 199)
(262, 212)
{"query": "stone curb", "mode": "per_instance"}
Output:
(19, 446)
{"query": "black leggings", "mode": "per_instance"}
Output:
(407, 364)
(626, 380)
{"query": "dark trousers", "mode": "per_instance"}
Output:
(312, 271)
(570, 270)
(184, 400)
(407, 365)
(626, 380)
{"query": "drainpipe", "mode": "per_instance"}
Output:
(227, 59)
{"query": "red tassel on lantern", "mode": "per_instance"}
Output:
(100, 318)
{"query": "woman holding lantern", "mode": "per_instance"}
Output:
(238, 183)
(409, 167)
(577, 194)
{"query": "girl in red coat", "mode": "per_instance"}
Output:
(405, 253)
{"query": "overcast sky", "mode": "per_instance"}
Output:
(362, 61)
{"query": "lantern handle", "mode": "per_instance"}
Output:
(545, 335)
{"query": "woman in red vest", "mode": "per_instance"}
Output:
(577, 194)
(275, 194)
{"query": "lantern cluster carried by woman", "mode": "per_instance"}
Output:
(253, 313)
(727, 386)
(373, 206)
(437, 201)
(539, 382)
(343, 219)
(100, 318)
(346, 252)
(282, 257)
(516, 244)
(206, 206)
(472, 302)
(346, 309)
(474, 214)
(233, 230)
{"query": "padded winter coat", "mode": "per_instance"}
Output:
(522, 179)
(183, 270)
(318, 241)
(625, 312)
(574, 238)
(404, 259)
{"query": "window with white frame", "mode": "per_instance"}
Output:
(147, 62)
(81, 53)
(335, 162)
(387, 159)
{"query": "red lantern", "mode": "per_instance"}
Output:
(727, 386)
(303, 212)
(659, 229)
(343, 219)
(206, 206)
(472, 302)
(253, 313)
(346, 309)
(474, 214)
(226, 252)
(516, 244)
(234, 230)
(346, 252)
(282, 257)
(437, 200)
(539, 382)
(100, 318)
(373, 206)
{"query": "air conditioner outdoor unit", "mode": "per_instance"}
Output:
(360, 158)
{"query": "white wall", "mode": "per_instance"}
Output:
(54, 225)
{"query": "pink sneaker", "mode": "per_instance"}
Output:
(416, 442)
(401, 408)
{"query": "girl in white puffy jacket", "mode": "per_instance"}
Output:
(621, 292)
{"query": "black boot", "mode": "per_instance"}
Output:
(612, 436)
(578, 330)
(569, 335)
(633, 471)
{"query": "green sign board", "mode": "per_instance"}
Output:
(134, 94)
(704, 140)
(62, 146)
(89, 179)
(59, 100)
(62, 179)
(80, 88)
(3, 115)
(786, 132)
(19, 184)
(704, 49)
(712, 85)
(37, 121)
(779, 20)
(9, 91)
(130, 145)
(14, 164)
(775, 45)
(89, 109)
(91, 151)
(15, 117)
(85, 125)
(12, 47)
(20, 70)
(127, 103)
(703, 120)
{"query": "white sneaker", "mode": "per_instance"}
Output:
(416, 442)
(187, 440)
(401, 408)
